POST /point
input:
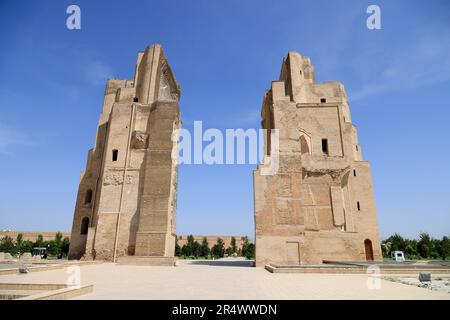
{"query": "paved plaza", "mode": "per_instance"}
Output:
(221, 280)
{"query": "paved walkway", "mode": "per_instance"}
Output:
(222, 281)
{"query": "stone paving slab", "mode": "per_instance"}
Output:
(13, 268)
(358, 268)
(193, 281)
(15, 294)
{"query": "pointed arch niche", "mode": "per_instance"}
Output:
(305, 142)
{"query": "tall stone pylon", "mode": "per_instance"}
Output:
(316, 203)
(126, 203)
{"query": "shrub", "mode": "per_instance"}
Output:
(7, 245)
(424, 245)
(204, 248)
(445, 248)
(177, 248)
(218, 250)
(248, 249)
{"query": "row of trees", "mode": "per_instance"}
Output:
(424, 248)
(194, 249)
(58, 247)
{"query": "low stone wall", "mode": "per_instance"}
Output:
(32, 236)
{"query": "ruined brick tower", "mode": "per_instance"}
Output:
(319, 205)
(126, 202)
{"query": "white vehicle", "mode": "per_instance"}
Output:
(398, 256)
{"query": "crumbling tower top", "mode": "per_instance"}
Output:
(153, 78)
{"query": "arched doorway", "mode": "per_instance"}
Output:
(368, 249)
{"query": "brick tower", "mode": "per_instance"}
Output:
(319, 204)
(126, 202)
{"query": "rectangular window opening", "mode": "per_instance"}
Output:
(358, 205)
(325, 146)
(115, 154)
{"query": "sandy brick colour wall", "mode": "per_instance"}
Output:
(31, 236)
(307, 212)
(319, 205)
(130, 173)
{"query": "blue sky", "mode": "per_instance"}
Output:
(224, 55)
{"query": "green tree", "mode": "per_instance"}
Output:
(7, 245)
(19, 238)
(185, 251)
(248, 249)
(58, 238)
(65, 246)
(39, 241)
(233, 245)
(204, 248)
(23, 246)
(445, 248)
(177, 248)
(250, 254)
(52, 248)
(218, 250)
(57, 245)
(435, 249)
(27, 246)
(397, 242)
(229, 251)
(411, 251)
(196, 249)
(189, 246)
(19, 243)
(424, 245)
(385, 248)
